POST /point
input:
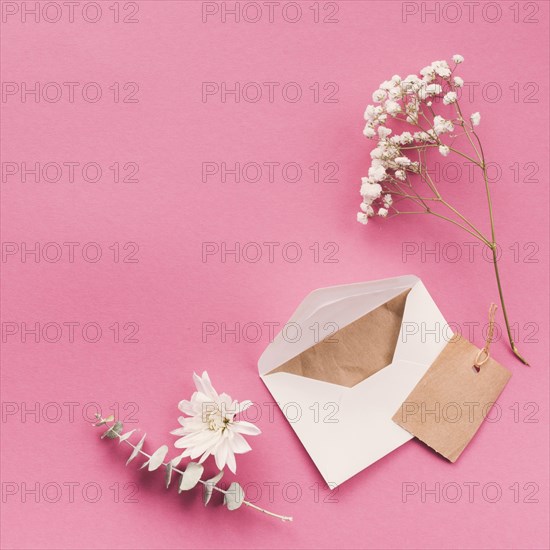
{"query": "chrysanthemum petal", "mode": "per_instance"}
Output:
(247, 428)
(239, 444)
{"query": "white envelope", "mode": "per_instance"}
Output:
(345, 429)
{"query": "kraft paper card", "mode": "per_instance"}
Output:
(449, 404)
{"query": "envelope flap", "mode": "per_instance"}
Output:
(423, 330)
(326, 310)
(356, 351)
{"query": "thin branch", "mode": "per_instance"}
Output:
(214, 487)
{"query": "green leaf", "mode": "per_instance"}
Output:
(170, 467)
(168, 477)
(103, 421)
(234, 496)
(113, 431)
(136, 450)
(125, 436)
(175, 461)
(157, 458)
(209, 487)
(190, 476)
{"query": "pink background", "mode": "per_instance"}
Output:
(170, 291)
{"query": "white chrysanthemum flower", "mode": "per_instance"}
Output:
(211, 428)
(362, 218)
(382, 212)
(458, 82)
(444, 150)
(449, 97)
(475, 118)
(458, 59)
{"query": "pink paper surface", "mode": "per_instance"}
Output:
(167, 293)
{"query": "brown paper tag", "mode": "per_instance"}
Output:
(448, 405)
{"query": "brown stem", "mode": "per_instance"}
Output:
(501, 296)
(493, 247)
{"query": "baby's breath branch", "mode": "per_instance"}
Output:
(473, 229)
(412, 102)
(118, 434)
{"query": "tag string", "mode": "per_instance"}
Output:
(483, 355)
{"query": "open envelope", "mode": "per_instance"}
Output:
(339, 390)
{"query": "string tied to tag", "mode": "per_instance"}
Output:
(483, 355)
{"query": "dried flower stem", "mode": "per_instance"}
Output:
(467, 225)
(215, 488)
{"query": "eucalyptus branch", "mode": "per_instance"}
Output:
(190, 477)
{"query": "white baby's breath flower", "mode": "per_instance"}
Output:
(444, 150)
(377, 172)
(382, 212)
(367, 209)
(362, 218)
(449, 97)
(383, 132)
(370, 191)
(475, 118)
(422, 136)
(458, 82)
(396, 93)
(379, 95)
(388, 200)
(441, 68)
(405, 138)
(400, 175)
(392, 107)
(211, 428)
(369, 131)
(428, 73)
(458, 59)
(441, 125)
(429, 90)
(403, 161)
